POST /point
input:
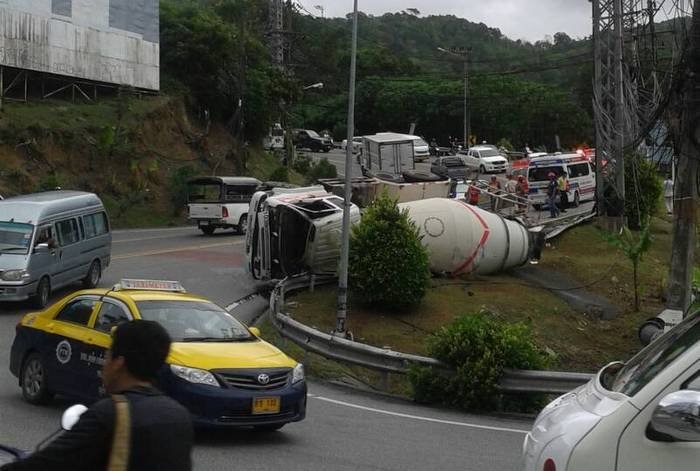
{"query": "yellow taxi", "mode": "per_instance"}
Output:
(221, 370)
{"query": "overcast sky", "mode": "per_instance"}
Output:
(517, 19)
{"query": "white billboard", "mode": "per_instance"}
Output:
(113, 41)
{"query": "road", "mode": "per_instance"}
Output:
(344, 430)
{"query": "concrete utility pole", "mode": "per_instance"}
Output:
(685, 204)
(347, 204)
(465, 54)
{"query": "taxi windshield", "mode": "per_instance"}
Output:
(194, 321)
(644, 366)
(15, 237)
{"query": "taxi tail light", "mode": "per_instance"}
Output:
(549, 465)
(224, 212)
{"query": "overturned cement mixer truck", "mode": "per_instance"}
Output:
(295, 231)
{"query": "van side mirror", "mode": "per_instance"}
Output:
(677, 417)
(41, 248)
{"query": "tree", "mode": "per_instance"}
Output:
(388, 263)
(634, 246)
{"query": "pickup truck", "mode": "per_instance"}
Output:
(310, 139)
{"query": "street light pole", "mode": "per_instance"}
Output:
(463, 52)
(342, 313)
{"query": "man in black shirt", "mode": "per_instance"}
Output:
(157, 432)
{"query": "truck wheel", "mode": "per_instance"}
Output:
(482, 169)
(207, 230)
(43, 291)
(577, 200)
(243, 225)
(34, 389)
(93, 275)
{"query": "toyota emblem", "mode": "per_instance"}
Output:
(263, 378)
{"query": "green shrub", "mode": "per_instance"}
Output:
(48, 182)
(178, 187)
(477, 347)
(280, 174)
(302, 164)
(388, 263)
(322, 169)
(643, 190)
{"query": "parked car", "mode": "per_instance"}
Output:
(310, 139)
(452, 167)
(485, 159)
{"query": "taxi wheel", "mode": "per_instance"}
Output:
(34, 388)
(43, 291)
(93, 276)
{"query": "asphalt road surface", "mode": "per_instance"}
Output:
(344, 430)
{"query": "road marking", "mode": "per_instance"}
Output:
(180, 249)
(142, 239)
(418, 417)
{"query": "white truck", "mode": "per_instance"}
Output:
(220, 202)
(642, 415)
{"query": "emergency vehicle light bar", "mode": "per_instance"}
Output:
(149, 285)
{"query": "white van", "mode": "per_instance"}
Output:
(50, 240)
(421, 150)
(643, 415)
(580, 174)
(220, 202)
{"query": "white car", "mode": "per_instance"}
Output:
(643, 415)
(356, 144)
(485, 159)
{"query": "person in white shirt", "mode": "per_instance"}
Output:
(668, 194)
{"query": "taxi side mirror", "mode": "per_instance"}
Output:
(255, 331)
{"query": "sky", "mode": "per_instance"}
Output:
(530, 20)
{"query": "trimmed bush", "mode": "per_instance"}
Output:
(388, 263)
(477, 347)
(280, 174)
(322, 169)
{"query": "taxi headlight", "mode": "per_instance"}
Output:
(15, 275)
(194, 375)
(298, 373)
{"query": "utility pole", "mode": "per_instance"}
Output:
(685, 201)
(347, 203)
(465, 54)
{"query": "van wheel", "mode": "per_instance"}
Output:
(577, 200)
(243, 225)
(482, 169)
(93, 275)
(207, 230)
(34, 389)
(43, 291)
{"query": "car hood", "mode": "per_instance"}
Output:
(494, 159)
(13, 261)
(213, 355)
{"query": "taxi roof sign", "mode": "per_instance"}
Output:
(150, 285)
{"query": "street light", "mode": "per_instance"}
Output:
(463, 52)
(342, 313)
(313, 85)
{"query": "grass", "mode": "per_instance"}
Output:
(575, 341)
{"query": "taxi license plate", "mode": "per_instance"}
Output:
(266, 405)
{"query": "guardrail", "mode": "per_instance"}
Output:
(389, 361)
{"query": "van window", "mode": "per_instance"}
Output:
(541, 174)
(95, 225)
(77, 312)
(68, 232)
(579, 170)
